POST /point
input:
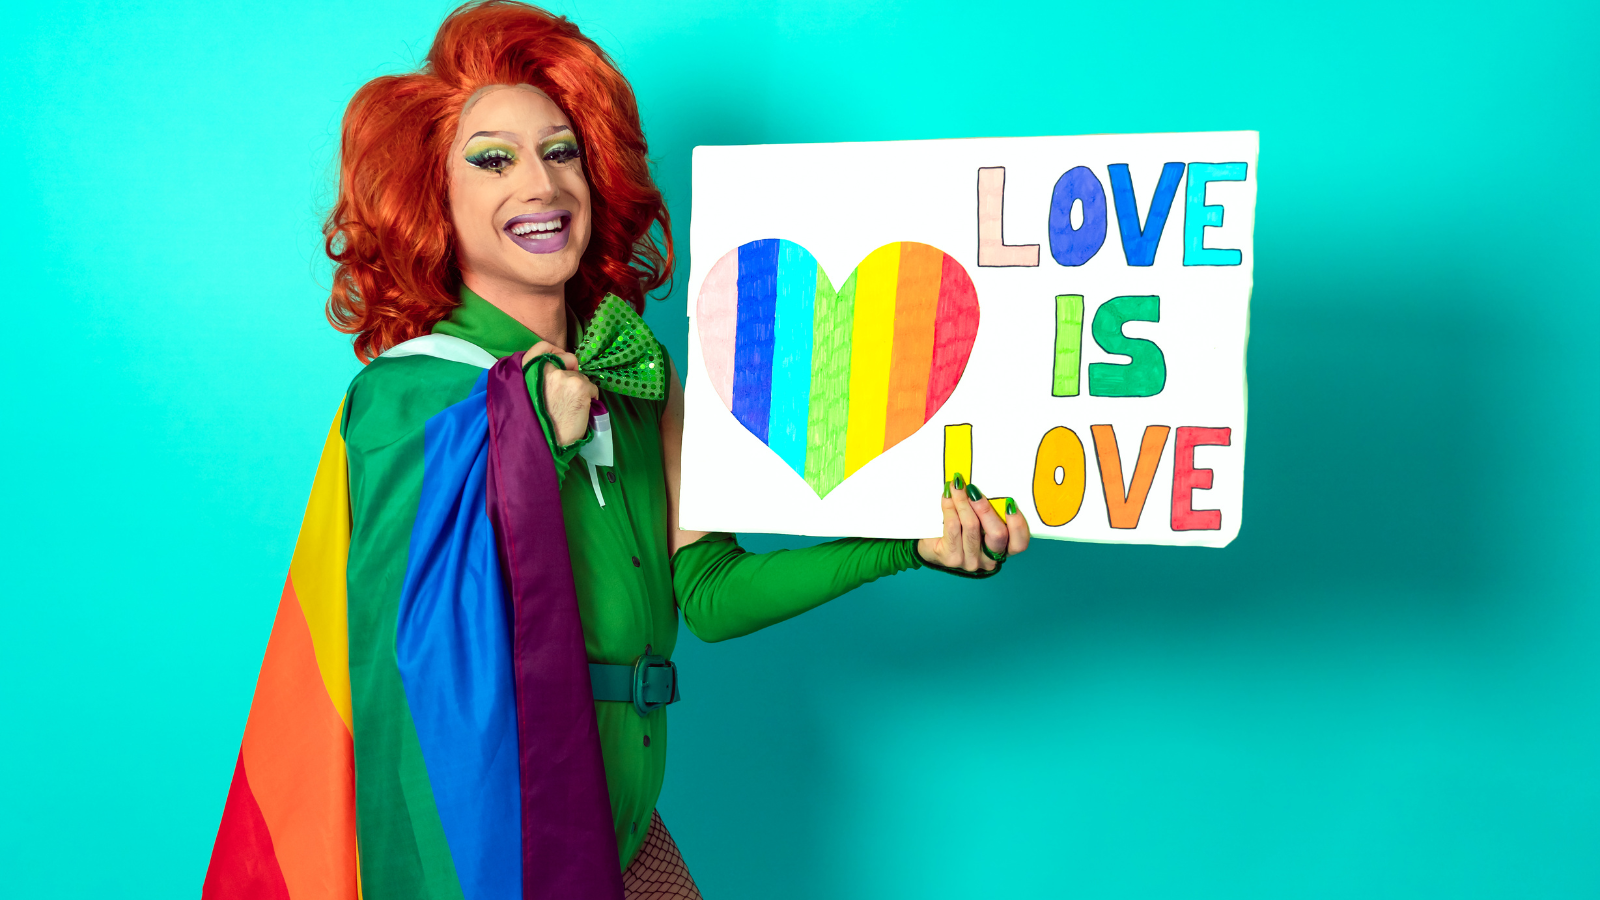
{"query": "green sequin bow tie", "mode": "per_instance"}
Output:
(619, 353)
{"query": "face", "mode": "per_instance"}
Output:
(518, 196)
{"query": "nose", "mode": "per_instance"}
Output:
(538, 186)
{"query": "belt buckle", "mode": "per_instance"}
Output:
(641, 666)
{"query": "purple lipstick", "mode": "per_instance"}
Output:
(544, 232)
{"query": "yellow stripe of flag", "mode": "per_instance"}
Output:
(871, 351)
(318, 569)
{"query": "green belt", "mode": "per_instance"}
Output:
(649, 684)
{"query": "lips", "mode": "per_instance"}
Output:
(544, 232)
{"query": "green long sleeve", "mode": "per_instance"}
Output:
(725, 592)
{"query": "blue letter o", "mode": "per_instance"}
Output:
(1076, 246)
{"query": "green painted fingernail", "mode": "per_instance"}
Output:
(973, 493)
(1011, 507)
(958, 482)
(947, 490)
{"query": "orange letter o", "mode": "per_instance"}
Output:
(1057, 502)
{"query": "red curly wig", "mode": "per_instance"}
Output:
(390, 234)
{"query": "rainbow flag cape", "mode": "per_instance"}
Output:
(511, 800)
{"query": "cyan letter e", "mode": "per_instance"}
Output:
(1197, 216)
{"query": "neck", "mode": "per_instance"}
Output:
(541, 310)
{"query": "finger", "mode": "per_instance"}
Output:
(950, 548)
(995, 533)
(573, 384)
(1020, 532)
(536, 351)
(971, 532)
(556, 373)
(568, 360)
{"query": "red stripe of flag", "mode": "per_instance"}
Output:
(243, 864)
(953, 333)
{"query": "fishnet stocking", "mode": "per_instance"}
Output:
(658, 872)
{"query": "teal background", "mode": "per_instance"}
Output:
(1386, 687)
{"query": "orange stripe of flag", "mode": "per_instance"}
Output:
(916, 302)
(299, 759)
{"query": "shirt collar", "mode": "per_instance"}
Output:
(481, 322)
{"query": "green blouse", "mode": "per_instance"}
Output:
(630, 591)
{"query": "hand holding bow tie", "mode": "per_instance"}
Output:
(616, 352)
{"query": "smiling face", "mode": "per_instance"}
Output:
(518, 196)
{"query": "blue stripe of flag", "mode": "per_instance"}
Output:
(453, 645)
(791, 353)
(752, 344)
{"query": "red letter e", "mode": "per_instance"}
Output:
(1186, 479)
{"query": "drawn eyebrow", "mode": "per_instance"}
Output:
(503, 135)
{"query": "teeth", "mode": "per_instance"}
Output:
(528, 228)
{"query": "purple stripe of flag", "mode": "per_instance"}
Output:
(568, 847)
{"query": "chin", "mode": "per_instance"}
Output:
(552, 274)
(541, 277)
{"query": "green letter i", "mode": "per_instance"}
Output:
(1069, 341)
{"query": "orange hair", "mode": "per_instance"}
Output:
(390, 234)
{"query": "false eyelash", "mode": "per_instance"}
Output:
(482, 158)
(563, 152)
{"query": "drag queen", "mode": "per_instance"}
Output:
(465, 691)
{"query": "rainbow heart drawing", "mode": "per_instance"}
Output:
(831, 379)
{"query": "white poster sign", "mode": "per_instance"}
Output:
(1060, 320)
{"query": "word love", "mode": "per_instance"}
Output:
(1060, 476)
(1078, 222)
